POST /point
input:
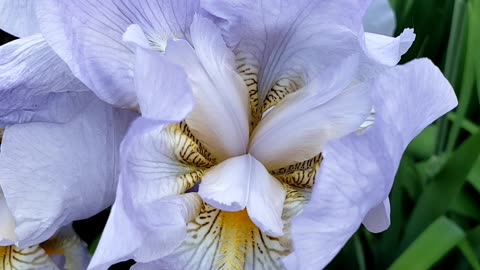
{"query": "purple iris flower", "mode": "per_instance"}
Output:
(59, 150)
(288, 118)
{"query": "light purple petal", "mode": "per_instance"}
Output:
(221, 112)
(293, 38)
(380, 18)
(329, 107)
(124, 237)
(162, 87)
(18, 18)
(36, 85)
(52, 174)
(88, 37)
(357, 172)
(386, 50)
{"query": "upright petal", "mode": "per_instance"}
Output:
(287, 39)
(36, 85)
(298, 127)
(357, 171)
(380, 18)
(18, 18)
(162, 87)
(52, 174)
(220, 117)
(88, 37)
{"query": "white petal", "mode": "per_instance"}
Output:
(226, 186)
(241, 182)
(299, 126)
(378, 218)
(220, 118)
(18, 18)
(380, 18)
(52, 174)
(265, 202)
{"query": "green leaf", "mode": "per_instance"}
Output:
(474, 176)
(467, 204)
(434, 243)
(423, 145)
(443, 189)
(469, 253)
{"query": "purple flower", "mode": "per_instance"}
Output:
(59, 148)
(261, 105)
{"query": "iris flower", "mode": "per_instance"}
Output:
(59, 148)
(256, 147)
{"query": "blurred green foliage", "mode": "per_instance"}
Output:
(435, 201)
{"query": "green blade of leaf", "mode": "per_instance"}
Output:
(443, 189)
(435, 242)
(469, 253)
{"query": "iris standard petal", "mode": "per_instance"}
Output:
(163, 91)
(380, 18)
(88, 37)
(298, 127)
(36, 85)
(17, 17)
(281, 44)
(220, 117)
(357, 172)
(52, 174)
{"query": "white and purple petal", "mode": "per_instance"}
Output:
(358, 170)
(17, 17)
(87, 35)
(294, 38)
(52, 174)
(36, 85)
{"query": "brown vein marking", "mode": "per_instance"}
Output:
(229, 240)
(301, 175)
(249, 75)
(188, 149)
(1, 135)
(280, 90)
(13, 258)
